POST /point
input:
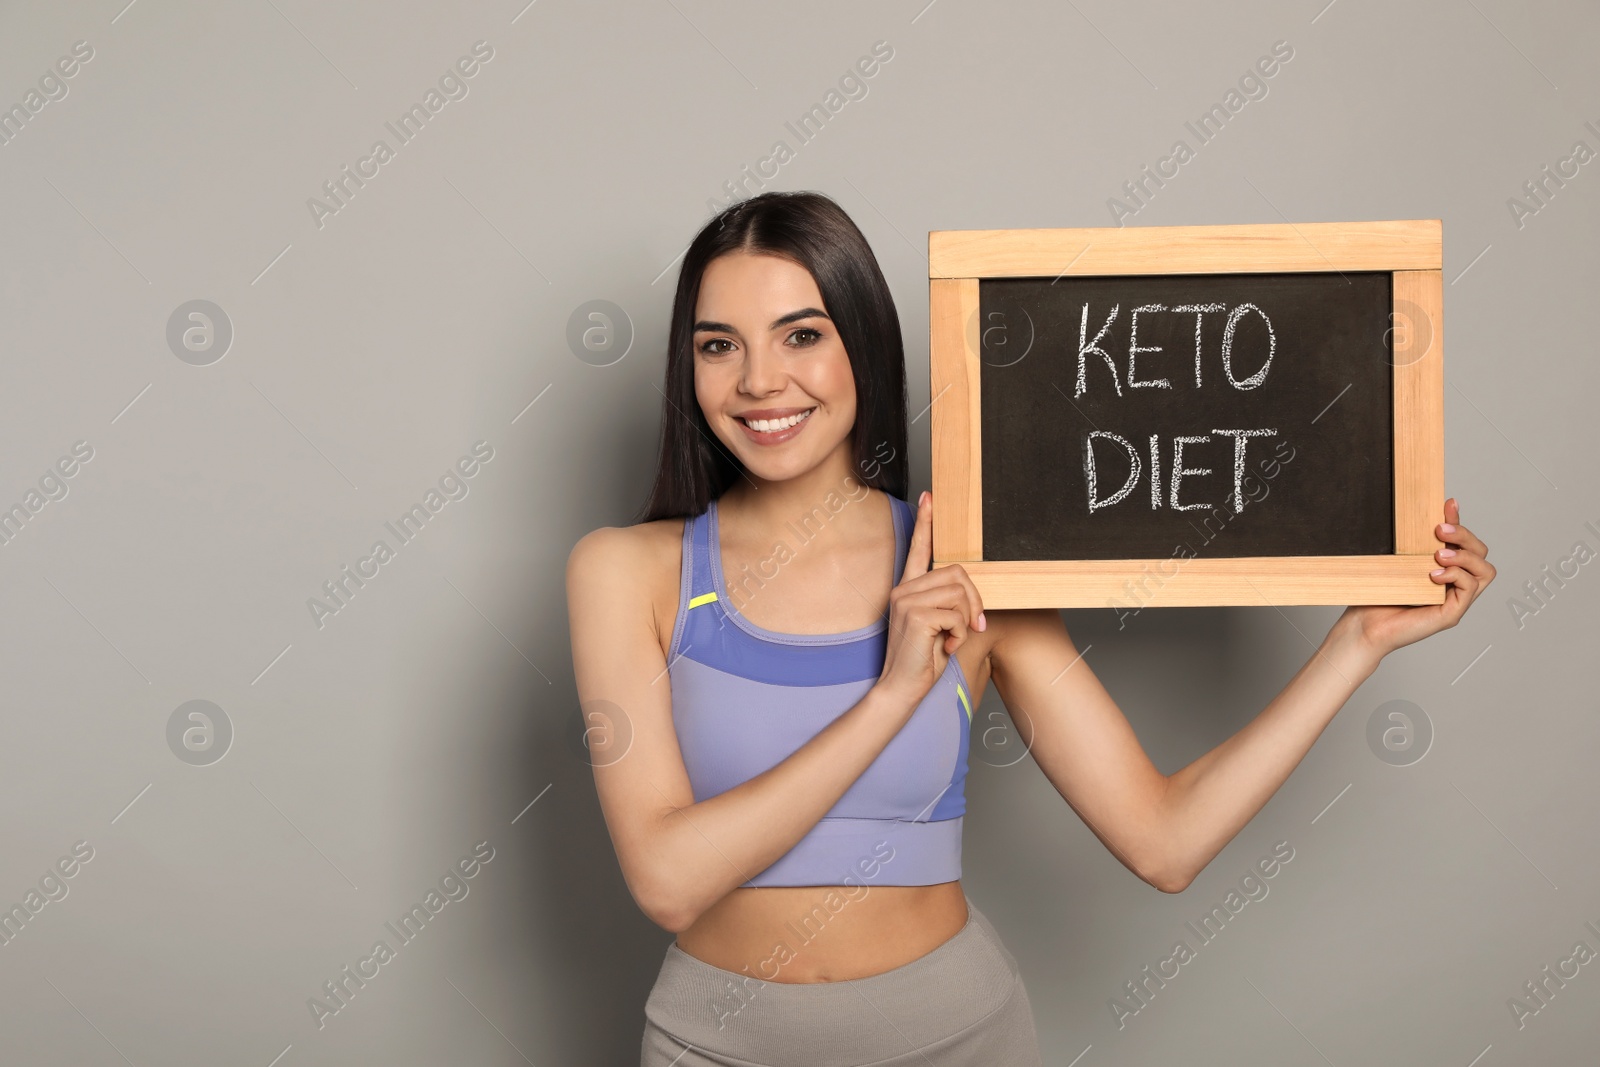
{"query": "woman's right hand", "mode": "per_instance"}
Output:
(930, 614)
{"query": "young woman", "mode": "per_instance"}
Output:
(787, 687)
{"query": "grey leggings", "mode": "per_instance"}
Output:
(963, 1003)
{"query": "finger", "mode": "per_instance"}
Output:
(1463, 589)
(974, 599)
(920, 552)
(938, 591)
(1460, 577)
(955, 576)
(1461, 537)
(937, 627)
(935, 622)
(1461, 557)
(1457, 535)
(1482, 570)
(1473, 563)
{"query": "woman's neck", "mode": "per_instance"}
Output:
(827, 493)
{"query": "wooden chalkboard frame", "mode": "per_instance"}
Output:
(1412, 250)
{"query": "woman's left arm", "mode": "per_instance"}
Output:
(1167, 828)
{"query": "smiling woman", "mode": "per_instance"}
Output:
(748, 317)
(792, 800)
(731, 370)
(809, 750)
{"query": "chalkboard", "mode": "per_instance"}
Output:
(1153, 416)
(1203, 415)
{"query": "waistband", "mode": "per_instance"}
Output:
(889, 851)
(735, 1014)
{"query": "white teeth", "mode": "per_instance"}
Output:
(774, 425)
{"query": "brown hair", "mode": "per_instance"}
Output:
(693, 467)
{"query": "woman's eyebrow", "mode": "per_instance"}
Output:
(793, 316)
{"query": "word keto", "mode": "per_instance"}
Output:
(52, 486)
(343, 987)
(1251, 86)
(1199, 311)
(736, 995)
(1533, 588)
(1139, 991)
(1087, 347)
(338, 190)
(338, 589)
(1254, 488)
(15, 119)
(766, 569)
(1539, 992)
(52, 887)
(811, 124)
(1538, 188)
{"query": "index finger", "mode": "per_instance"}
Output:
(1461, 537)
(919, 554)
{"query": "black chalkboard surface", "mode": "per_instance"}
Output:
(1268, 399)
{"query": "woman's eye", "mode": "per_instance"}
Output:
(710, 351)
(814, 337)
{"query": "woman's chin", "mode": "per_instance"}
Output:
(773, 469)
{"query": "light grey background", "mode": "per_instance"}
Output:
(370, 353)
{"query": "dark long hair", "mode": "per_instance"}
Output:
(693, 467)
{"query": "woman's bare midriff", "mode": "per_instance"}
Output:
(825, 933)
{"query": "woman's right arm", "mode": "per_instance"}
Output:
(680, 857)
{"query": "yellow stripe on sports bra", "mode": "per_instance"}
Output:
(962, 693)
(703, 598)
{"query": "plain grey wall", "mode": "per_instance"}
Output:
(372, 348)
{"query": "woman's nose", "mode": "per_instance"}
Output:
(763, 371)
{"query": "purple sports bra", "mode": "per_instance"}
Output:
(744, 698)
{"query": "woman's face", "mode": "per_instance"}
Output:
(764, 352)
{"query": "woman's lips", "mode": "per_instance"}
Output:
(775, 438)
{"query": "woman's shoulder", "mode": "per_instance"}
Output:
(637, 566)
(635, 549)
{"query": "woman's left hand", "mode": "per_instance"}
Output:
(1463, 567)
